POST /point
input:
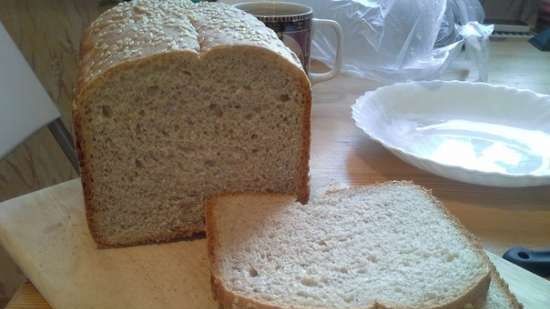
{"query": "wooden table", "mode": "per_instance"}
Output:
(341, 153)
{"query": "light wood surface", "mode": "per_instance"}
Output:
(27, 297)
(532, 291)
(46, 233)
(501, 218)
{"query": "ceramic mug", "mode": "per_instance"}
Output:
(293, 24)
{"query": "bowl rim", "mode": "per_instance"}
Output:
(537, 180)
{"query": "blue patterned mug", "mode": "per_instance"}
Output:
(293, 24)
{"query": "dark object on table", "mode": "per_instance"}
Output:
(541, 40)
(510, 13)
(111, 2)
(537, 262)
(543, 21)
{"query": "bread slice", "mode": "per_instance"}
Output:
(178, 101)
(385, 246)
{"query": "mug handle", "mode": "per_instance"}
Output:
(321, 77)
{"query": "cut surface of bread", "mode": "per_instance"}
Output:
(384, 246)
(178, 101)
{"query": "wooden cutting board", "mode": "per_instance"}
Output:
(46, 233)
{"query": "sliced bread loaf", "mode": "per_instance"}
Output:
(177, 101)
(384, 246)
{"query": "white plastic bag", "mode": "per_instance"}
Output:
(398, 40)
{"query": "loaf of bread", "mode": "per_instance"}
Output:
(177, 101)
(385, 246)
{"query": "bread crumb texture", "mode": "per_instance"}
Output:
(387, 246)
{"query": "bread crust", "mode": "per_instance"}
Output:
(303, 168)
(475, 294)
(87, 86)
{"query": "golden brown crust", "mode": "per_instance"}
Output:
(303, 172)
(169, 237)
(85, 176)
(475, 295)
(211, 240)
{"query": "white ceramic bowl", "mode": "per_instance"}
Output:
(472, 132)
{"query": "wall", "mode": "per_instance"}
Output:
(48, 34)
